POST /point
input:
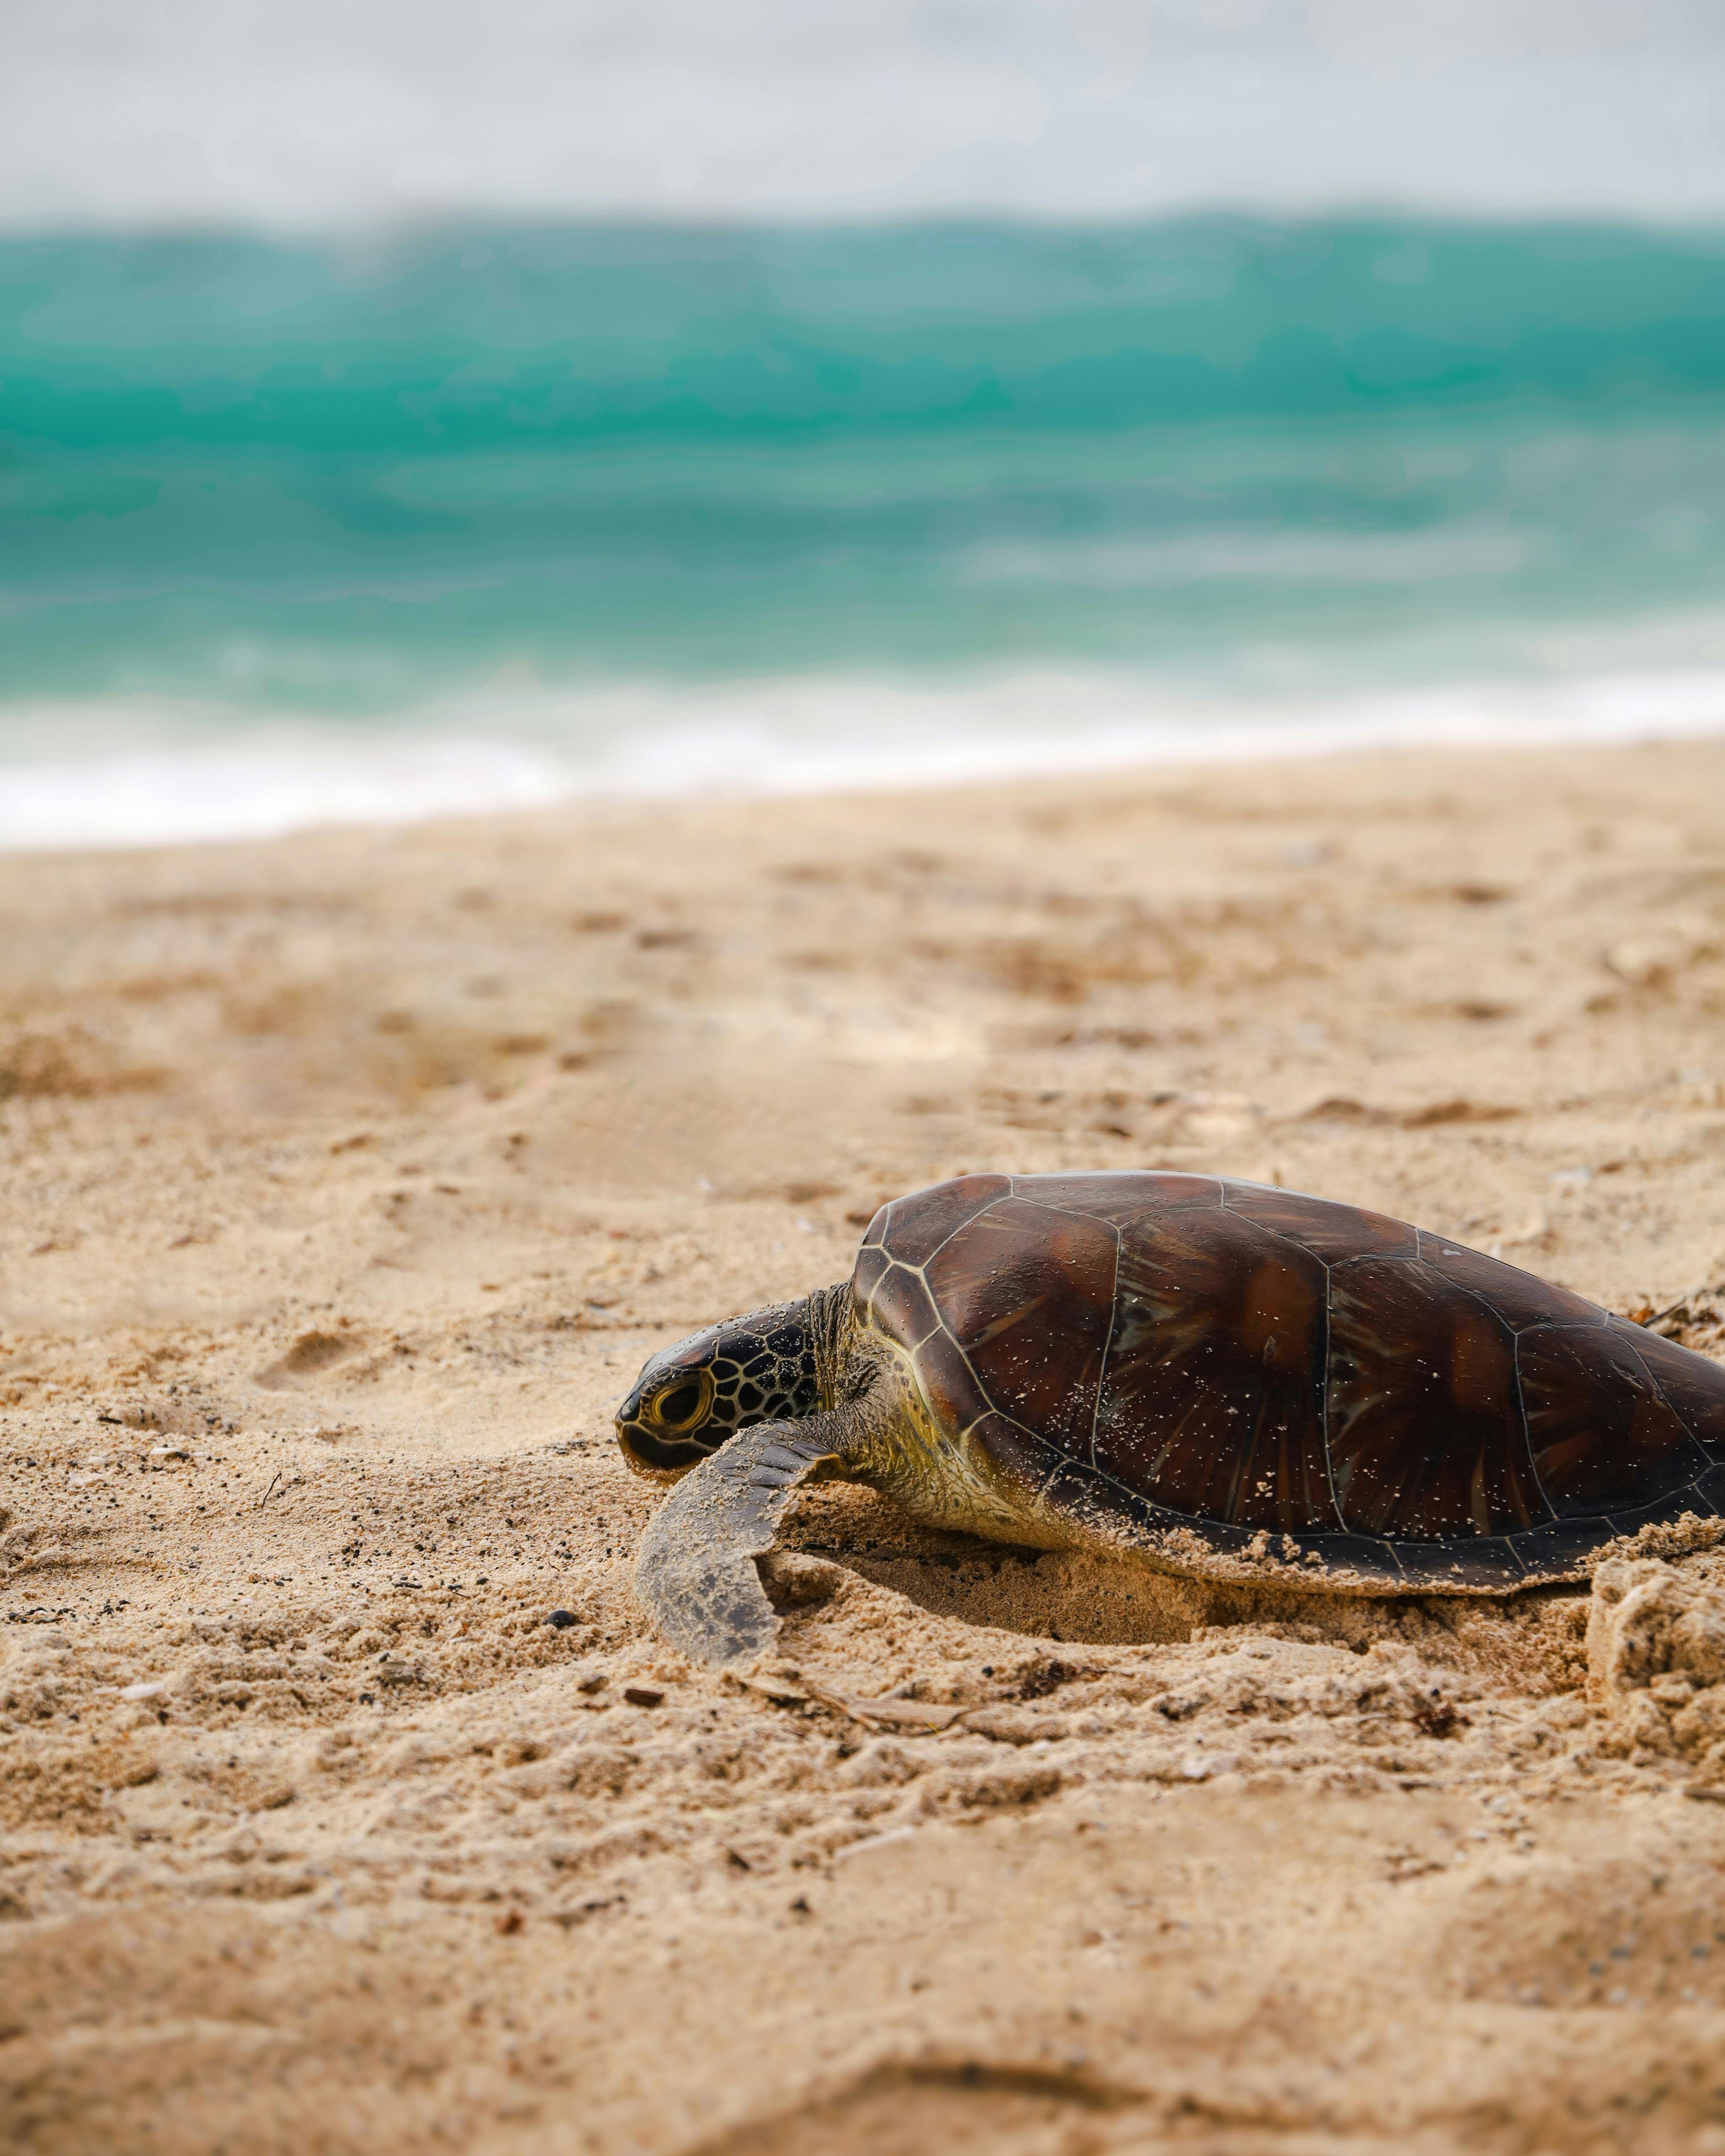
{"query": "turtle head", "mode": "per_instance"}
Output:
(689, 1398)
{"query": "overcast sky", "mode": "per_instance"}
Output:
(316, 111)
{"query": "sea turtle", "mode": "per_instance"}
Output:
(1213, 1378)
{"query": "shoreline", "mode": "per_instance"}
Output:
(153, 773)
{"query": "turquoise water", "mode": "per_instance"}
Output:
(349, 481)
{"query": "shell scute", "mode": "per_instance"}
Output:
(870, 1270)
(1630, 1522)
(1693, 1386)
(951, 1387)
(1370, 1560)
(1426, 1440)
(1604, 1437)
(1330, 1231)
(1484, 1561)
(916, 1226)
(1028, 1296)
(1120, 1199)
(1520, 1299)
(1212, 1401)
(1094, 1501)
(1554, 1549)
(1017, 1455)
(903, 1308)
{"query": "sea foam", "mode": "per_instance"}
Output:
(168, 778)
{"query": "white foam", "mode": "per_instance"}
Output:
(178, 790)
(130, 773)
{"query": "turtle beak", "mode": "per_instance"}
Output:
(640, 1446)
(637, 1465)
(627, 1423)
(656, 1458)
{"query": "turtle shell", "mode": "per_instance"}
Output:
(1148, 1353)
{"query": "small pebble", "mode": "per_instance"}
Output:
(643, 1696)
(561, 1618)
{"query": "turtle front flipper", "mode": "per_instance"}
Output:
(695, 1576)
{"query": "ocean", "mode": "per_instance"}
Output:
(390, 525)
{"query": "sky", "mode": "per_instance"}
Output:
(317, 113)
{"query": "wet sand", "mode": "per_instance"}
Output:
(350, 1178)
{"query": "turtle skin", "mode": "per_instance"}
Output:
(1145, 1353)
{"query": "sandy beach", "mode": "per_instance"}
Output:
(349, 1179)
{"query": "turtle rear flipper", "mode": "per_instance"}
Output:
(695, 1576)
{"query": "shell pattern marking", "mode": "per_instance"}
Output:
(1160, 1351)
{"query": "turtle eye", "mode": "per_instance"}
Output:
(685, 1403)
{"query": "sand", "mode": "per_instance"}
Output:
(350, 1178)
